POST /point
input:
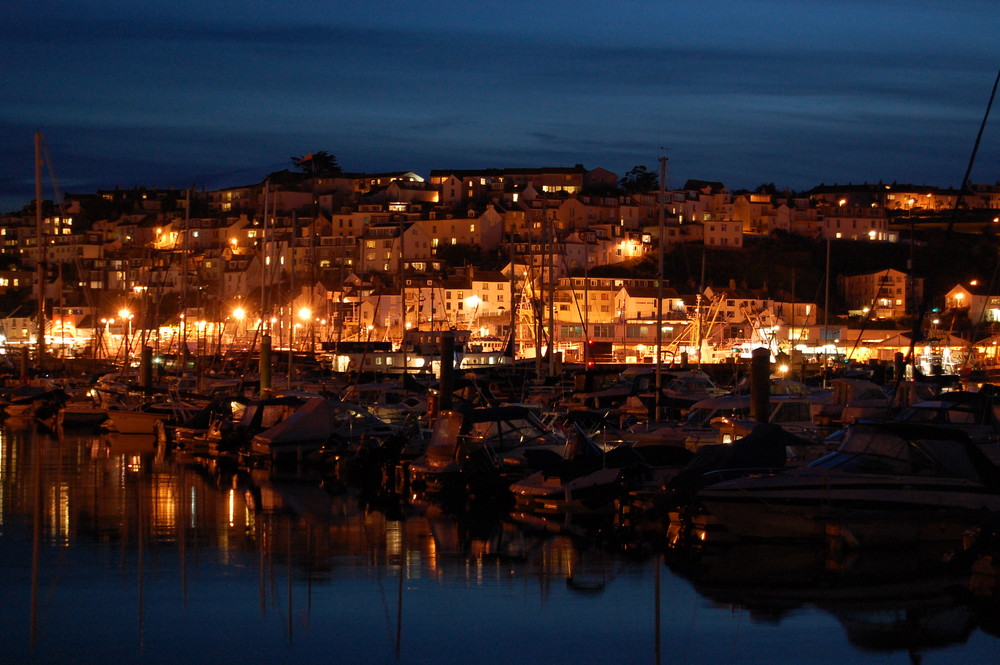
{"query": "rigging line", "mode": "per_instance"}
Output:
(576, 300)
(929, 283)
(866, 319)
(992, 285)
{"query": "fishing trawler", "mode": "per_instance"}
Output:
(419, 352)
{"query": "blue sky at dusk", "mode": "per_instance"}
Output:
(795, 92)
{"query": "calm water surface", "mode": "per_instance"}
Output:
(110, 555)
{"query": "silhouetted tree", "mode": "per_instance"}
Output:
(640, 179)
(317, 162)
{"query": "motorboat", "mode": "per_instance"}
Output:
(25, 400)
(886, 483)
(142, 417)
(715, 420)
(390, 401)
(590, 478)
(975, 413)
(484, 446)
(82, 409)
(319, 424)
(850, 400)
(682, 391)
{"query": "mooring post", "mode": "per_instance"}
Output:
(760, 384)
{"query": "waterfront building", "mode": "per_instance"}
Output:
(886, 294)
(975, 300)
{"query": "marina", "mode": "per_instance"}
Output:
(132, 548)
(442, 469)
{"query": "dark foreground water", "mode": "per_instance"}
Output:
(108, 555)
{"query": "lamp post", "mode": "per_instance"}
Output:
(102, 342)
(471, 308)
(305, 317)
(239, 314)
(200, 327)
(126, 317)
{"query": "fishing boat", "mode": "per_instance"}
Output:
(419, 352)
(887, 483)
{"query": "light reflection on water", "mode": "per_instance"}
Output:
(136, 559)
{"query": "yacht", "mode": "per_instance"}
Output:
(886, 483)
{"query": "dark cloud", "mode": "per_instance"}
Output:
(795, 92)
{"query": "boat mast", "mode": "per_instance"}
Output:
(264, 313)
(40, 348)
(826, 304)
(701, 290)
(514, 300)
(184, 284)
(264, 362)
(291, 302)
(536, 318)
(659, 294)
(550, 232)
(402, 297)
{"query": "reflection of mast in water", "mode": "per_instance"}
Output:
(140, 541)
(657, 563)
(399, 595)
(263, 546)
(288, 567)
(36, 541)
(182, 520)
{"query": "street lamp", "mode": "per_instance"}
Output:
(239, 314)
(471, 307)
(126, 316)
(102, 341)
(305, 316)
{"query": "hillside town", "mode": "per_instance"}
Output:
(364, 270)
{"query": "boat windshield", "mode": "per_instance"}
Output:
(956, 415)
(702, 416)
(871, 450)
(875, 464)
(505, 434)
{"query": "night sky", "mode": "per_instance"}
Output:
(794, 92)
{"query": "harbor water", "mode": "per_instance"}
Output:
(112, 553)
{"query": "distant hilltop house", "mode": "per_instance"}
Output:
(886, 294)
(976, 300)
(482, 249)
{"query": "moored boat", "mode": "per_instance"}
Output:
(887, 483)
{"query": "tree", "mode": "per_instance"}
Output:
(640, 179)
(317, 162)
(460, 254)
